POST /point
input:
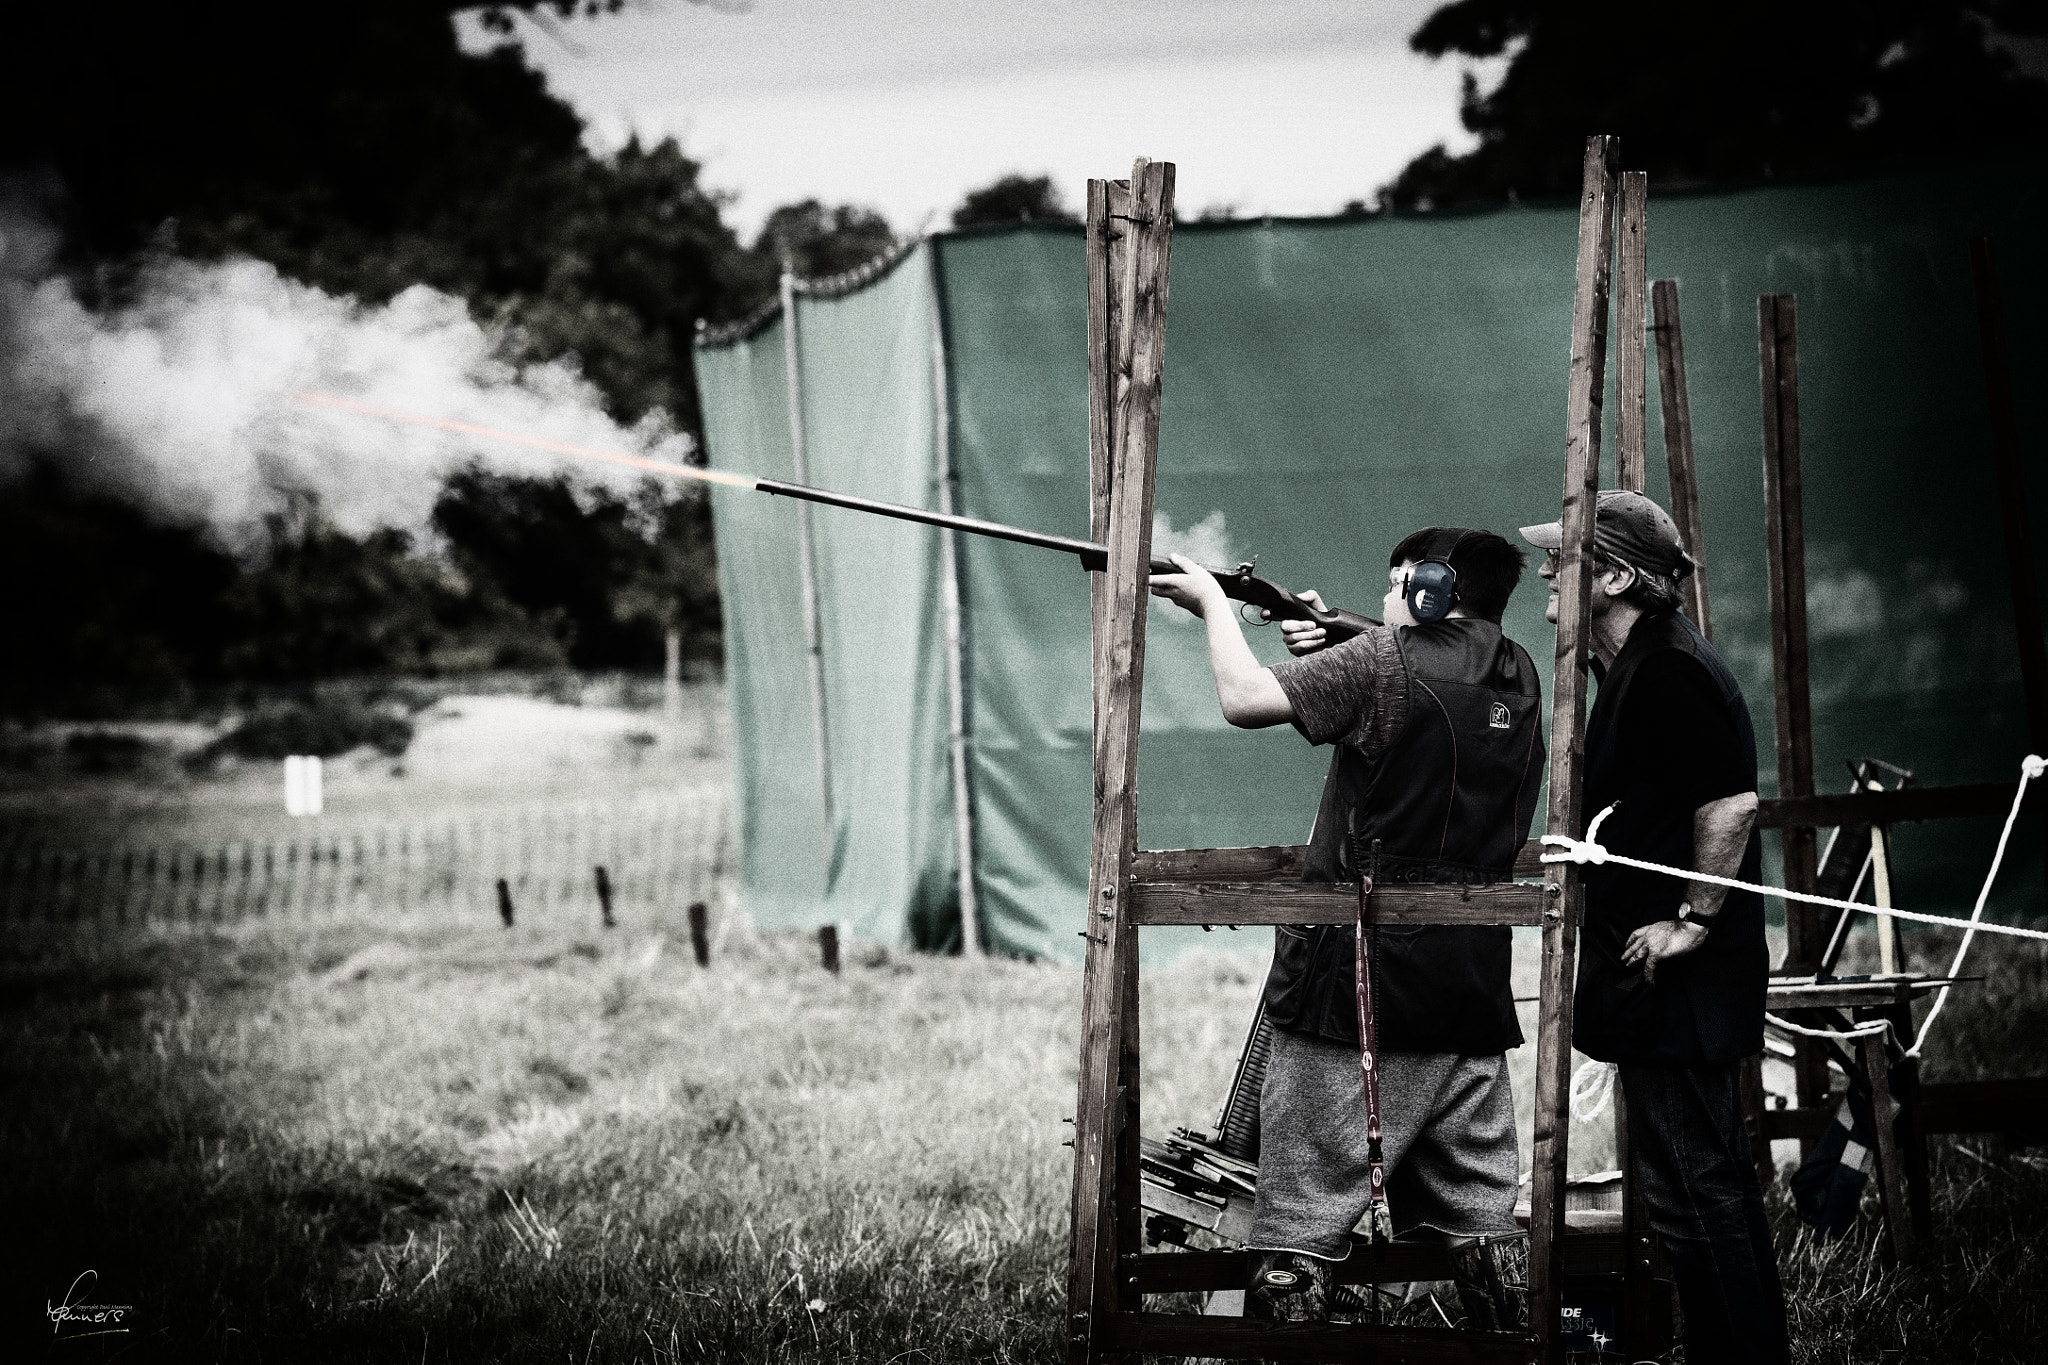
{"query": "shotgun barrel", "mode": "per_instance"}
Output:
(1239, 583)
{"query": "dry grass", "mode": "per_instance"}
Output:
(427, 1143)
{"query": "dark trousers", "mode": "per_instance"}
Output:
(1692, 1161)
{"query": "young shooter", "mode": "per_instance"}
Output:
(1435, 720)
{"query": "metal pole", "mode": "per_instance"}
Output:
(972, 941)
(806, 556)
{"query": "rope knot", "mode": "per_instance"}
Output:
(1586, 850)
(2033, 765)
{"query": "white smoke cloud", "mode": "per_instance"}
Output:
(180, 397)
(1207, 542)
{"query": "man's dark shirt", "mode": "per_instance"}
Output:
(1669, 733)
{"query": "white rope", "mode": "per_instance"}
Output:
(1860, 1031)
(1592, 1087)
(1589, 850)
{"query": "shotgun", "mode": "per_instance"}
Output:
(1240, 583)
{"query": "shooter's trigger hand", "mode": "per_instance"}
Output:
(1193, 587)
(1302, 637)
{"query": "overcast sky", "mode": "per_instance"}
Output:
(1280, 106)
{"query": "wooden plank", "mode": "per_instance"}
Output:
(1278, 863)
(1568, 738)
(1282, 862)
(1891, 1170)
(1189, 1334)
(1806, 1124)
(1101, 1118)
(1785, 543)
(1281, 902)
(1905, 806)
(1108, 262)
(1780, 995)
(2019, 1105)
(1912, 1130)
(2012, 492)
(1631, 423)
(1678, 453)
(1586, 1253)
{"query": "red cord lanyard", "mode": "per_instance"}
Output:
(1368, 1058)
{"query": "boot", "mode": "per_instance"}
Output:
(1492, 1277)
(1287, 1287)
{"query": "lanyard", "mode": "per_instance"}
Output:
(1368, 1059)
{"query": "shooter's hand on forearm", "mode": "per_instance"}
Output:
(1251, 696)
(1303, 637)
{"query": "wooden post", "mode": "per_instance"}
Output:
(1109, 235)
(973, 941)
(1632, 422)
(1785, 539)
(700, 933)
(828, 947)
(1568, 741)
(806, 554)
(1105, 1118)
(1678, 454)
(2012, 493)
(604, 897)
(505, 902)
(1898, 1221)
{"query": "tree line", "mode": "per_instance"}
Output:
(363, 150)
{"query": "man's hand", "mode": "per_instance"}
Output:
(1302, 637)
(1193, 587)
(1660, 942)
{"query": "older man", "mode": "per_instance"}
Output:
(1672, 972)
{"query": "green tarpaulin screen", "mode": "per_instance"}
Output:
(1331, 385)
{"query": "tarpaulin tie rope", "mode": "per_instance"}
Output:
(1592, 1087)
(1589, 850)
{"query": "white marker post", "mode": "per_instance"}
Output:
(302, 795)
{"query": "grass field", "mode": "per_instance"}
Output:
(383, 1143)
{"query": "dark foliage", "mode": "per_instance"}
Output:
(323, 603)
(819, 241)
(111, 611)
(97, 595)
(325, 725)
(601, 574)
(365, 152)
(1011, 199)
(1739, 89)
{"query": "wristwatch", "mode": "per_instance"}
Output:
(1688, 915)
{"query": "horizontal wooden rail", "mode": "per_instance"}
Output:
(1178, 902)
(2010, 1106)
(1188, 1272)
(1191, 1334)
(1279, 863)
(1903, 807)
(1264, 886)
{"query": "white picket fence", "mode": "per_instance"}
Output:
(659, 852)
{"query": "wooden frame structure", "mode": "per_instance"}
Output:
(1129, 236)
(1804, 984)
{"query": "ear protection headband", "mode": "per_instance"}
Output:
(1433, 583)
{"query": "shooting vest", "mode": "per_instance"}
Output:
(1449, 801)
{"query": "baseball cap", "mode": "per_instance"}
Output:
(1627, 527)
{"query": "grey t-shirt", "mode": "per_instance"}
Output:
(1353, 693)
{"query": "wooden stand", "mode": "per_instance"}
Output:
(1129, 243)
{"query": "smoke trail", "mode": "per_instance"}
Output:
(179, 398)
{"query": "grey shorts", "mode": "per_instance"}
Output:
(1447, 1136)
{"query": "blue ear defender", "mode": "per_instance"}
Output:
(1433, 583)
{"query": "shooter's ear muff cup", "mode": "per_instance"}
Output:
(1286, 1287)
(1433, 583)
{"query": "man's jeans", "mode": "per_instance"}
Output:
(1692, 1160)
